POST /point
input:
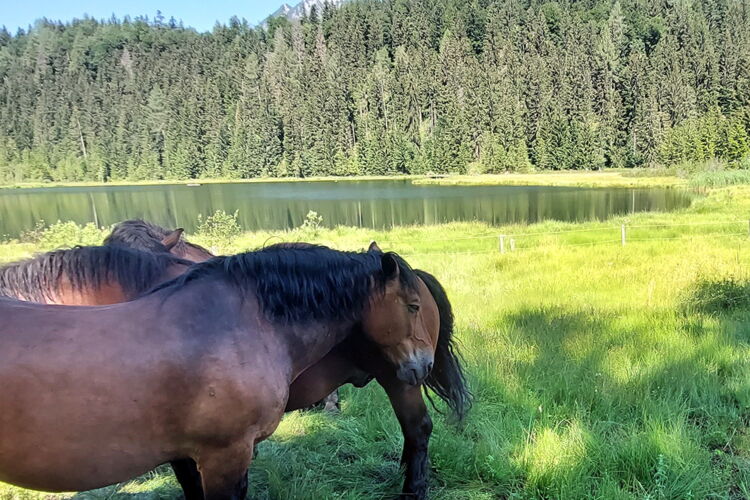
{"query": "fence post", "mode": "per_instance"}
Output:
(622, 234)
(502, 243)
(512, 245)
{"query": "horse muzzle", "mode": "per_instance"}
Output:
(415, 370)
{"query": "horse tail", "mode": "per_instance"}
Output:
(447, 378)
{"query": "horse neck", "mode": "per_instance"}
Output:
(171, 271)
(308, 344)
(194, 254)
(216, 305)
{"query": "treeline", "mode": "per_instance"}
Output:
(380, 87)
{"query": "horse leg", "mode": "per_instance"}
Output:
(224, 472)
(416, 425)
(331, 402)
(186, 472)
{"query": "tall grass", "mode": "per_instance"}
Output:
(714, 173)
(593, 379)
(720, 178)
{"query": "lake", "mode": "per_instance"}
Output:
(283, 205)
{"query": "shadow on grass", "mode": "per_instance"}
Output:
(620, 404)
(718, 296)
(159, 483)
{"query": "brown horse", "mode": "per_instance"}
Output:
(356, 363)
(88, 275)
(149, 237)
(108, 275)
(198, 371)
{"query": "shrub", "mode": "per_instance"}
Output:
(722, 295)
(34, 235)
(219, 229)
(63, 234)
(312, 224)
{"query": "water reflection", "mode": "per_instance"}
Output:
(278, 205)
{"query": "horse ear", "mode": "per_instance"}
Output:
(172, 238)
(374, 247)
(389, 266)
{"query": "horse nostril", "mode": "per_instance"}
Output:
(429, 367)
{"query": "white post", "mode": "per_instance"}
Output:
(512, 245)
(502, 243)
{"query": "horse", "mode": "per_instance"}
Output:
(355, 363)
(106, 275)
(196, 371)
(88, 275)
(142, 235)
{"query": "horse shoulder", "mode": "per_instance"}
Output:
(239, 387)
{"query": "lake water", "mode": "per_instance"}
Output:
(282, 205)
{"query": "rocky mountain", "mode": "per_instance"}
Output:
(297, 12)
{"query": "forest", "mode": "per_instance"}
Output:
(379, 88)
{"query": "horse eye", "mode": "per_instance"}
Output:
(413, 308)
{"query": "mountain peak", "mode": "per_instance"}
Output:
(303, 8)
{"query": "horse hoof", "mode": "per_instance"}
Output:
(415, 493)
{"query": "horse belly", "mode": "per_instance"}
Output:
(56, 472)
(80, 429)
(56, 443)
(68, 457)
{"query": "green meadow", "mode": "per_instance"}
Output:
(599, 370)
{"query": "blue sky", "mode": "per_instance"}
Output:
(200, 15)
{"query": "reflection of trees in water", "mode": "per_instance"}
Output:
(369, 204)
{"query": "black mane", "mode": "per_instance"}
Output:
(37, 279)
(142, 235)
(299, 283)
(447, 377)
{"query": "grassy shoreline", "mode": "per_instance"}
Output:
(177, 182)
(609, 178)
(600, 371)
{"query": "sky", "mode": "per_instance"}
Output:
(201, 15)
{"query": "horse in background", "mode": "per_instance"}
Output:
(88, 275)
(136, 257)
(198, 370)
(142, 235)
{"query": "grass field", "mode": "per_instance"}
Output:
(600, 371)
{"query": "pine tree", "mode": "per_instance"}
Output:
(380, 87)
